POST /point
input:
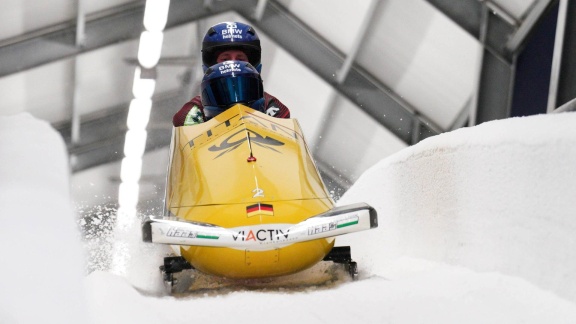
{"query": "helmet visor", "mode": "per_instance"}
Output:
(224, 92)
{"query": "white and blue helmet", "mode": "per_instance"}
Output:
(231, 35)
(228, 83)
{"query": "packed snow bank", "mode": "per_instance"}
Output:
(498, 197)
(42, 270)
(413, 291)
(41, 278)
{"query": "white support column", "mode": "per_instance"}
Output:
(482, 38)
(80, 24)
(80, 39)
(557, 56)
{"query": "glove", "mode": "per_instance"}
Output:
(194, 117)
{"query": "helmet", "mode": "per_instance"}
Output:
(231, 35)
(228, 83)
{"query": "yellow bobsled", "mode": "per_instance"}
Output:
(244, 199)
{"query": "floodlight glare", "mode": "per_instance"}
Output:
(156, 14)
(135, 143)
(150, 48)
(131, 169)
(142, 88)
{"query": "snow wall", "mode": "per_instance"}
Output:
(497, 197)
(42, 272)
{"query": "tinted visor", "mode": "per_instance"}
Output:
(224, 92)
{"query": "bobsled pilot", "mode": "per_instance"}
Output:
(224, 42)
(228, 83)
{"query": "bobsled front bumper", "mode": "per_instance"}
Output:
(337, 221)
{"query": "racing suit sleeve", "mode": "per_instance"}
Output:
(191, 113)
(274, 107)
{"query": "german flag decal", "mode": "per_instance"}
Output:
(259, 209)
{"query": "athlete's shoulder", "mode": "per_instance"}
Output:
(275, 107)
(191, 113)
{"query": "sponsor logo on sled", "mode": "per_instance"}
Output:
(225, 126)
(348, 221)
(184, 233)
(235, 140)
(264, 234)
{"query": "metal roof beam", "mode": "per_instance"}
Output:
(103, 132)
(125, 22)
(468, 15)
(502, 37)
(359, 86)
(495, 89)
(519, 37)
(567, 72)
(359, 39)
(557, 54)
(94, 149)
(101, 29)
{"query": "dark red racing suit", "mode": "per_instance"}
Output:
(193, 111)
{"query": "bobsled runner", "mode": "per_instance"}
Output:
(244, 199)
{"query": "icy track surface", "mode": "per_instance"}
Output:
(476, 226)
